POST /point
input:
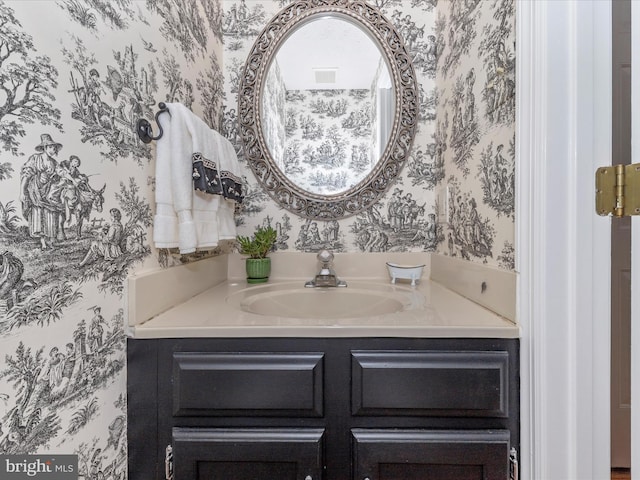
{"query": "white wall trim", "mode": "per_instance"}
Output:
(563, 131)
(529, 145)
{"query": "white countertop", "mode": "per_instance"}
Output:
(439, 312)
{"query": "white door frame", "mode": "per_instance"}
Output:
(635, 245)
(563, 133)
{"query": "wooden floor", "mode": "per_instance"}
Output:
(620, 474)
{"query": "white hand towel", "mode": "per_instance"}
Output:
(165, 221)
(187, 218)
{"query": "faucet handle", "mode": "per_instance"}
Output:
(325, 256)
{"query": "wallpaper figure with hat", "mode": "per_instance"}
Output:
(38, 175)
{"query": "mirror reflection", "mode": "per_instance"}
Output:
(327, 106)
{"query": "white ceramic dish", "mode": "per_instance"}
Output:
(406, 272)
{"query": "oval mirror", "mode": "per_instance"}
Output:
(327, 107)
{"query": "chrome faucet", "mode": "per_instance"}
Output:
(326, 277)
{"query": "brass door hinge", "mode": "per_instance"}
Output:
(618, 190)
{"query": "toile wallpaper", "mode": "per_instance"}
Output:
(77, 185)
(320, 139)
(475, 127)
(328, 139)
(76, 199)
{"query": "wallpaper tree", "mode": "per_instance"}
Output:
(26, 83)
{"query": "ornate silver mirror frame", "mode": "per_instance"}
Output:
(368, 191)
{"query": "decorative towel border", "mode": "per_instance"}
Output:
(231, 186)
(208, 179)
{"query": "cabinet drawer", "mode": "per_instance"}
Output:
(248, 384)
(430, 383)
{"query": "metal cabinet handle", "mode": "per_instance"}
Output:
(168, 463)
(514, 473)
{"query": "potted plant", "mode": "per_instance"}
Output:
(258, 265)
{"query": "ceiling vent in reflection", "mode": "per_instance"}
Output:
(325, 75)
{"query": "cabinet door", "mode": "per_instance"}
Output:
(430, 454)
(247, 454)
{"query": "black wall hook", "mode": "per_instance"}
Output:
(145, 132)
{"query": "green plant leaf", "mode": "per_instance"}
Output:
(260, 244)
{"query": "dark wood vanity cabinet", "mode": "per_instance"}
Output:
(322, 408)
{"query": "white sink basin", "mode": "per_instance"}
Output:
(293, 300)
